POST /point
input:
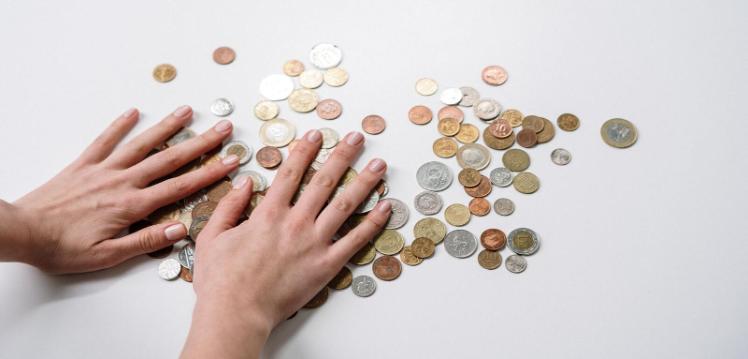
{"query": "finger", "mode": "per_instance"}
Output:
(146, 240)
(174, 189)
(135, 150)
(103, 145)
(168, 161)
(289, 175)
(326, 179)
(346, 247)
(341, 207)
(229, 210)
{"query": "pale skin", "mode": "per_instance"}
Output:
(280, 257)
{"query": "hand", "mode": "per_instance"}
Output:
(71, 222)
(250, 277)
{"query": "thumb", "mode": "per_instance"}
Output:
(229, 209)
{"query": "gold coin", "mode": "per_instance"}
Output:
(430, 228)
(445, 147)
(448, 126)
(457, 214)
(468, 133)
(335, 77)
(365, 255)
(619, 133)
(533, 122)
(165, 214)
(469, 177)
(489, 259)
(342, 280)
(547, 133)
(318, 299)
(423, 247)
(164, 73)
(407, 257)
(266, 110)
(526, 182)
(389, 242)
(293, 68)
(513, 116)
(303, 100)
(567, 122)
(516, 160)
(495, 142)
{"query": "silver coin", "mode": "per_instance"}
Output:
(369, 203)
(561, 157)
(473, 155)
(330, 137)
(179, 137)
(311, 78)
(515, 263)
(501, 177)
(426, 86)
(189, 202)
(428, 203)
(487, 109)
(222, 107)
(325, 56)
(469, 96)
(186, 256)
(259, 182)
(460, 243)
(503, 206)
(276, 87)
(434, 176)
(363, 286)
(277, 132)
(399, 215)
(523, 241)
(169, 269)
(247, 151)
(451, 96)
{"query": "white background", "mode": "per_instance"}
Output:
(643, 250)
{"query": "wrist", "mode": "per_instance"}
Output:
(16, 234)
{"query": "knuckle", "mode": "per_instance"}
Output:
(147, 241)
(344, 153)
(323, 180)
(343, 204)
(289, 173)
(377, 221)
(306, 150)
(180, 186)
(297, 225)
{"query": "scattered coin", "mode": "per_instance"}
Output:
(516, 264)
(445, 147)
(269, 157)
(481, 190)
(513, 116)
(489, 259)
(473, 155)
(426, 86)
(311, 78)
(523, 241)
(479, 207)
(276, 87)
(501, 128)
(293, 68)
(487, 109)
(342, 280)
(318, 299)
(365, 255)
(222, 107)
(181, 136)
(197, 226)
(185, 274)
(420, 115)
(494, 75)
(547, 133)
(501, 177)
(468, 133)
(457, 215)
(266, 110)
(364, 286)
(224, 55)
(469, 177)
(516, 160)
(389, 242)
(186, 256)
(277, 132)
(428, 203)
(238, 148)
(451, 112)
(451, 96)
(493, 239)
(619, 133)
(503, 206)
(469, 96)
(407, 257)
(169, 269)
(373, 124)
(387, 268)
(567, 122)
(259, 182)
(335, 77)
(330, 137)
(561, 157)
(460, 243)
(423, 247)
(164, 73)
(325, 56)
(526, 182)
(303, 100)
(399, 214)
(368, 204)
(448, 126)
(434, 176)
(533, 122)
(527, 137)
(329, 109)
(430, 228)
(495, 142)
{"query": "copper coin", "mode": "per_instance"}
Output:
(494, 75)
(224, 55)
(329, 109)
(423, 247)
(269, 157)
(185, 274)
(342, 280)
(479, 207)
(469, 177)
(493, 239)
(527, 137)
(533, 122)
(218, 190)
(293, 68)
(387, 267)
(164, 73)
(489, 259)
(567, 122)
(373, 124)
(204, 209)
(318, 299)
(495, 142)
(501, 128)
(481, 190)
(420, 115)
(451, 112)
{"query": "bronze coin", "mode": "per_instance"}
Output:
(373, 124)
(567, 122)
(407, 257)
(451, 112)
(527, 137)
(185, 274)
(164, 73)
(420, 115)
(198, 223)
(218, 190)
(479, 206)
(489, 259)
(293, 68)
(269, 157)
(469, 177)
(329, 109)
(318, 299)
(533, 122)
(546, 135)
(481, 190)
(342, 280)
(203, 209)
(501, 128)
(423, 247)
(224, 55)
(495, 142)
(494, 75)
(448, 126)
(387, 267)
(493, 239)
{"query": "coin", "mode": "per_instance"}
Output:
(473, 155)
(420, 115)
(547, 133)
(434, 176)
(460, 243)
(330, 137)
(399, 214)
(269, 157)
(516, 264)
(368, 204)
(238, 148)
(619, 133)
(457, 214)
(335, 77)
(495, 142)
(451, 112)
(222, 107)
(277, 132)
(526, 182)
(186, 256)
(303, 100)
(364, 286)
(373, 124)
(266, 110)
(561, 157)
(494, 75)
(527, 137)
(183, 135)
(489, 259)
(503, 206)
(259, 183)
(469, 177)
(423, 247)
(382, 188)
(493, 239)
(426, 86)
(523, 241)
(481, 190)
(516, 160)
(185, 274)
(293, 68)
(430, 228)
(407, 257)
(567, 122)
(169, 269)
(329, 109)
(468, 133)
(501, 177)
(224, 55)
(318, 299)
(451, 96)
(364, 255)
(389, 242)
(487, 109)
(533, 122)
(276, 87)
(428, 203)
(479, 207)
(448, 126)
(311, 78)
(197, 226)
(513, 116)
(208, 207)
(164, 73)
(342, 280)
(501, 128)
(325, 56)
(469, 96)
(387, 268)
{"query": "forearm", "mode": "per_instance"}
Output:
(15, 235)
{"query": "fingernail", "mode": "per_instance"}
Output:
(223, 126)
(313, 136)
(384, 206)
(130, 112)
(175, 232)
(354, 138)
(230, 160)
(240, 182)
(376, 165)
(182, 111)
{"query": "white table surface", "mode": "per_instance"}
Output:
(643, 250)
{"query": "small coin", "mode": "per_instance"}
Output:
(207, 208)
(533, 122)
(501, 177)
(430, 228)
(479, 207)
(469, 177)
(311, 78)
(513, 116)
(495, 142)
(407, 257)
(526, 182)
(183, 135)
(457, 214)
(365, 255)
(445, 147)
(483, 188)
(269, 157)
(494, 75)
(516, 264)
(169, 269)
(460, 243)
(423, 247)
(389, 242)
(222, 107)
(224, 55)
(373, 124)
(523, 241)
(451, 96)
(426, 86)
(399, 214)
(451, 112)
(342, 280)
(277, 132)
(567, 122)
(259, 182)
(266, 110)
(164, 73)
(329, 109)
(493, 239)
(319, 299)
(325, 56)
(487, 109)
(364, 286)
(469, 96)
(619, 133)
(448, 126)
(428, 203)
(420, 115)
(501, 128)
(186, 256)
(368, 204)
(489, 259)
(383, 188)
(303, 100)
(527, 137)
(516, 160)
(197, 226)
(434, 176)
(473, 155)
(387, 268)
(238, 148)
(468, 133)
(185, 274)
(547, 133)
(330, 137)
(561, 157)
(503, 206)
(293, 68)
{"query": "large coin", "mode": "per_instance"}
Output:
(619, 133)
(523, 241)
(468, 133)
(420, 115)
(169, 269)
(277, 132)
(335, 77)
(325, 56)
(547, 133)
(487, 109)
(329, 109)
(423, 247)
(434, 176)
(311, 78)
(303, 100)
(501, 177)
(457, 215)
(503, 206)
(516, 160)
(407, 257)
(399, 214)
(445, 147)
(469, 177)
(516, 264)
(495, 142)
(387, 268)
(451, 96)
(430, 228)
(364, 286)
(426, 86)
(469, 96)
(428, 203)
(238, 148)
(460, 243)
(489, 259)
(389, 242)
(474, 156)
(342, 280)
(276, 87)
(373, 124)
(365, 255)
(493, 239)
(451, 112)
(561, 157)
(513, 116)
(526, 182)
(567, 122)
(164, 73)
(318, 299)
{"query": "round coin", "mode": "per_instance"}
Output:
(451, 96)
(448, 126)
(487, 109)
(501, 177)
(434, 176)
(489, 259)
(387, 268)
(428, 203)
(342, 280)
(473, 155)
(533, 122)
(481, 190)
(469, 96)
(523, 241)
(293, 68)
(329, 109)
(399, 214)
(618, 133)
(493, 239)
(325, 56)
(567, 122)
(389, 242)
(460, 243)
(311, 78)
(494, 75)
(479, 207)
(373, 124)
(513, 116)
(516, 264)
(365, 255)
(266, 110)
(561, 157)
(526, 182)
(363, 286)
(469, 177)
(423, 247)
(169, 269)
(451, 112)
(185, 274)
(516, 160)
(276, 87)
(318, 299)
(277, 132)
(468, 133)
(503, 206)
(303, 100)
(426, 86)
(222, 107)
(259, 182)
(330, 137)
(430, 228)
(495, 142)
(407, 257)
(420, 115)
(224, 55)
(547, 133)
(445, 147)
(335, 77)
(527, 137)
(457, 214)
(269, 157)
(238, 148)
(501, 128)
(164, 73)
